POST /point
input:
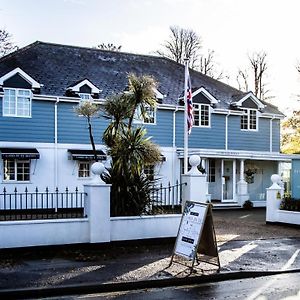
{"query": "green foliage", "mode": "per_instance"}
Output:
(290, 141)
(248, 204)
(129, 148)
(290, 204)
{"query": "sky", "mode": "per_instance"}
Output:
(232, 28)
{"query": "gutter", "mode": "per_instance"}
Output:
(174, 144)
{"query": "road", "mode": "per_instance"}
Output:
(261, 288)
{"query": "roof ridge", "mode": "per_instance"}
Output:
(19, 50)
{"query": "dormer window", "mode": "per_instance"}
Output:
(201, 115)
(249, 120)
(85, 96)
(17, 103)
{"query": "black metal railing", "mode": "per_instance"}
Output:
(167, 198)
(41, 205)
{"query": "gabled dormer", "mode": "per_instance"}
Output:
(84, 89)
(203, 102)
(251, 106)
(17, 88)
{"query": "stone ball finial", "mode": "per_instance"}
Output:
(194, 162)
(276, 180)
(97, 169)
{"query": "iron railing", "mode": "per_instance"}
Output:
(167, 198)
(41, 205)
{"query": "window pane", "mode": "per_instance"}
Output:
(196, 114)
(244, 122)
(204, 115)
(23, 106)
(9, 169)
(83, 169)
(252, 120)
(9, 102)
(23, 170)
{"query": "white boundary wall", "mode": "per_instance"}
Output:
(274, 214)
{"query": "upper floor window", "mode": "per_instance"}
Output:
(85, 96)
(149, 118)
(201, 115)
(17, 103)
(16, 170)
(249, 120)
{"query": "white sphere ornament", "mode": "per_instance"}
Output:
(97, 169)
(276, 180)
(194, 162)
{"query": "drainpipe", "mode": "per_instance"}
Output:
(271, 133)
(55, 144)
(226, 131)
(174, 144)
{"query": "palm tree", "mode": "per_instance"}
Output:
(129, 147)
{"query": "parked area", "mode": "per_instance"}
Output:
(243, 241)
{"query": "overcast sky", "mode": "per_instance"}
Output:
(233, 28)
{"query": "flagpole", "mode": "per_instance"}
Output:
(185, 155)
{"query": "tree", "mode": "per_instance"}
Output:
(258, 71)
(89, 110)
(109, 46)
(290, 141)
(208, 65)
(6, 44)
(182, 43)
(129, 148)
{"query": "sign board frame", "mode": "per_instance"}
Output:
(196, 234)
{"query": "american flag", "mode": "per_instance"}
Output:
(189, 99)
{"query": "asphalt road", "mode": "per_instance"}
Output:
(262, 288)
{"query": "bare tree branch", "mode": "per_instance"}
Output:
(6, 45)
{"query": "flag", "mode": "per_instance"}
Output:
(189, 100)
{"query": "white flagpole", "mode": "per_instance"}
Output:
(186, 63)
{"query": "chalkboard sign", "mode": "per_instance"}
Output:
(196, 233)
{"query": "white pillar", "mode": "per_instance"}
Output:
(273, 197)
(196, 188)
(97, 206)
(242, 185)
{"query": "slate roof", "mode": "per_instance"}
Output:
(58, 67)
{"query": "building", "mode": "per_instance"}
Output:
(44, 143)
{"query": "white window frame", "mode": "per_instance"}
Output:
(86, 162)
(138, 119)
(17, 96)
(85, 96)
(198, 108)
(16, 161)
(247, 114)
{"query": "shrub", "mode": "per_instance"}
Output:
(248, 204)
(290, 204)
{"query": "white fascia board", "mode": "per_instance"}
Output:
(238, 154)
(253, 97)
(76, 87)
(63, 99)
(158, 94)
(24, 75)
(208, 95)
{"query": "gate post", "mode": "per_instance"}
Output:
(97, 206)
(273, 199)
(196, 188)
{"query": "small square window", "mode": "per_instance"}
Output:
(249, 120)
(84, 169)
(201, 115)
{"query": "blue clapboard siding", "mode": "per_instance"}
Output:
(73, 129)
(38, 128)
(248, 140)
(162, 131)
(276, 136)
(202, 137)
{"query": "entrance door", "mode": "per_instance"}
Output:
(228, 180)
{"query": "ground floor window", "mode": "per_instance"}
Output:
(84, 169)
(212, 170)
(16, 170)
